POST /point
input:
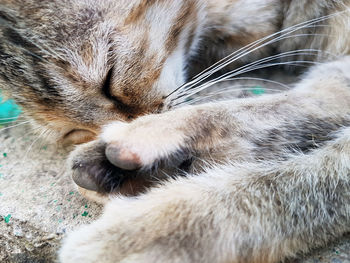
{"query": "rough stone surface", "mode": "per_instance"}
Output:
(38, 201)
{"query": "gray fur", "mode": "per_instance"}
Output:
(265, 178)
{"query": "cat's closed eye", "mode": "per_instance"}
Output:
(107, 84)
(106, 90)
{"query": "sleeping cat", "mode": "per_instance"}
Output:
(236, 180)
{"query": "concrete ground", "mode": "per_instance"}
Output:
(39, 203)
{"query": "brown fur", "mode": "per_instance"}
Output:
(242, 180)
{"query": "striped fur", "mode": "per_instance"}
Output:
(240, 180)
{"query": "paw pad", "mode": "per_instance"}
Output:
(123, 158)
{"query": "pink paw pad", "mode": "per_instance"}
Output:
(123, 157)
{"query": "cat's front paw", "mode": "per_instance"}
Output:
(129, 158)
(145, 144)
(94, 173)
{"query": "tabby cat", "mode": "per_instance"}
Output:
(236, 180)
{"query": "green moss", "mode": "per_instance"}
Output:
(257, 90)
(336, 251)
(7, 218)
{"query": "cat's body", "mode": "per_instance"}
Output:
(268, 177)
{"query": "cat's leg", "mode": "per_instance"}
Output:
(251, 212)
(247, 213)
(240, 129)
(269, 127)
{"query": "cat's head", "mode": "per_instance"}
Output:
(76, 65)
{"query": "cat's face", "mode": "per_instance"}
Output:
(76, 65)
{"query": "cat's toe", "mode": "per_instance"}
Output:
(97, 175)
(122, 157)
(130, 158)
(162, 166)
(91, 169)
(142, 144)
(84, 180)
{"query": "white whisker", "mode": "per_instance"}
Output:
(230, 89)
(32, 144)
(211, 83)
(4, 123)
(10, 118)
(13, 126)
(241, 52)
(253, 47)
(188, 85)
(251, 67)
(270, 58)
(285, 87)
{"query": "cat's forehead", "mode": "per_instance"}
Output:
(133, 47)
